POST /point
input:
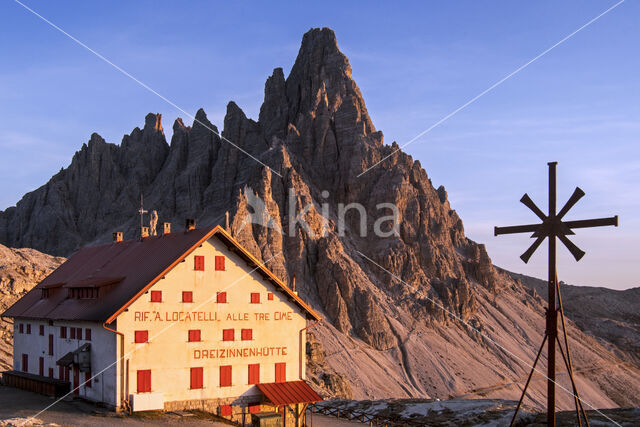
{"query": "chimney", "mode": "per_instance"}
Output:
(166, 228)
(117, 237)
(190, 224)
(293, 284)
(145, 232)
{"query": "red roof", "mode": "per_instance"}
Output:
(289, 392)
(124, 271)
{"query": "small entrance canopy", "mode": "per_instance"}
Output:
(289, 392)
(80, 356)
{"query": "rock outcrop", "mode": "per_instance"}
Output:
(20, 270)
(394, 297)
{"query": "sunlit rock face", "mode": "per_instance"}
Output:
(394, 305)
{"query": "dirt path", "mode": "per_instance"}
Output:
(21, 405)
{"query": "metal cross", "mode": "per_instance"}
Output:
(551, 227)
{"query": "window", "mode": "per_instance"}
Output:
(198, 263)
(219, 263)
(246, 334)
(255, 298)
(221, 297)
(156, 296)
(254, 408)
(196, 378)
(41, 366)
(25, 363)
(281, 372)
(194, 335)
(50, 344)
(87, 334)
(227, 335)
(21, 328)
(226, 411)
(84, 293)
(270, 296)
(72, 333)
(187, 296)
(254, 373)
(63, 331)
(79, 333)
(144, 381)
(41, 330)
(225, 376)
(29, 328)
(87, 379)
(141, 336)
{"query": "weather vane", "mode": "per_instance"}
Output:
(141, 211)
(553, 227)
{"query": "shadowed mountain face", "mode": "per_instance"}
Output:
(398, 332)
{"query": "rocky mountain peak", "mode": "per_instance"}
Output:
(320, 81)
(153, 122)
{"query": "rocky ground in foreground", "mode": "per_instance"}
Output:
(450, 413)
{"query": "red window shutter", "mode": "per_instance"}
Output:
(255, 298)
(187, 296)
(198, 263)
(50, 344)
(247, 334)
(225, 376)
(63, 332)
(221, 297)
(87, 334)
(254, 373)
(79, 333)
(194, 335)
(87, 379)
(219, 263)
(29, 328)
(270, 296)
(196, 378)
(254, 408)
(41, 366)
(144, 381)
(281, 372)
(228, 335)
(141, 336)
(41, 332)
(50, 372)
(226, 411)
(72, 333)
(156, 296)
(21, 328)
(25, 363)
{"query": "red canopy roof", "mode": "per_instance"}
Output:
(289, 392)
(125, 270)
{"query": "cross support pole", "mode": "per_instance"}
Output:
(553, 227)
(552, 313)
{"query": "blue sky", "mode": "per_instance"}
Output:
(415, 62)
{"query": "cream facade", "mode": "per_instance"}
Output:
(276, 323)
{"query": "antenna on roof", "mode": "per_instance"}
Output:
(141, 211)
